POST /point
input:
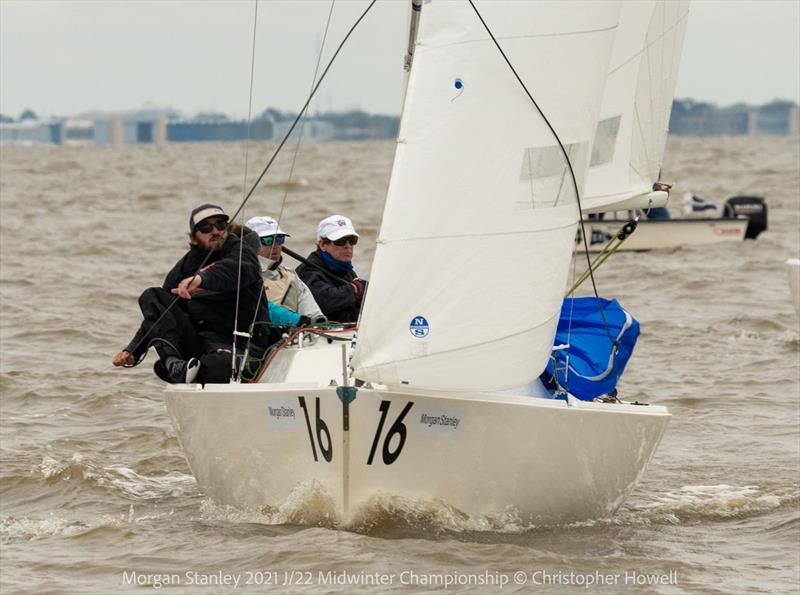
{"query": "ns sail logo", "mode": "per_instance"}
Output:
(419, 327)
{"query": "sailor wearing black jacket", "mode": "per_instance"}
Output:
(339, 301)
(194, 337)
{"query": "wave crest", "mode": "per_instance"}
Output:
(123, 479)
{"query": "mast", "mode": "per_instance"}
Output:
(416, 9)
(413, 28)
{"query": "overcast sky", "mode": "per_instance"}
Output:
(66, 57)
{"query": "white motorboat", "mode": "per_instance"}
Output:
(743, 217)
(663, 234)
(627, 153)
(438, 398)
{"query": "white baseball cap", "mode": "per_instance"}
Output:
(265, 226)
(335, 227)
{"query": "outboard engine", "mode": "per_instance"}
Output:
(752, 207)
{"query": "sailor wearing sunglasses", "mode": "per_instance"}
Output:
(281, 283)
(336, 239)
(193, 336)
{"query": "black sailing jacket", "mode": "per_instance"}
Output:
(212, 308)
(337, 301)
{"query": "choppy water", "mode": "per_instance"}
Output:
(94, 485)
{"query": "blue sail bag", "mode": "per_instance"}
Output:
(596, 361)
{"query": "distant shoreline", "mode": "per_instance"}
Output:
(688, 117)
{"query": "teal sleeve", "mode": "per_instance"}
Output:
(280, 316)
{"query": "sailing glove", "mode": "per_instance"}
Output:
(361, 287)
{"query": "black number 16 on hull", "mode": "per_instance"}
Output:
(398, 427)
(322, 428)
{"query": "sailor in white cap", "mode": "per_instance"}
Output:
(329, 272)
(281, 283)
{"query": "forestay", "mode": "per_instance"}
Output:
(480, 217)
(631, 135)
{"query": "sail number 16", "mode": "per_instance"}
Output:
(322, 428)
(320, 436)
(398, 428)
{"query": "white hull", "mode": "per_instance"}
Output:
(255, 445)
(794, 282)
(667, 234)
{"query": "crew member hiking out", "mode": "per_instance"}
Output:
(194, 336)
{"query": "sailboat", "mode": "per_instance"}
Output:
(436, 397)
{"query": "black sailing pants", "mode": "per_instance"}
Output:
(175, 327)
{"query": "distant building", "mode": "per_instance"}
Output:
(76, 132)
(313, 129)
(690, 117)
(135, 127)
(28, 132)
(777, 117)
(95, 128)
(358, 125)
(183, 131)
(349, 126)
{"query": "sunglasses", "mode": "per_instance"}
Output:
(352, 240)
(267, 240)
(207, 226)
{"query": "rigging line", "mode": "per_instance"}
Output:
(266, 167)
(251, 330)
(244, 189)
(569, 331)
(303, 122)
(566, 157)
(303, 109)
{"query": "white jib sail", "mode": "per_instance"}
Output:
(479, 222)
(632, 133)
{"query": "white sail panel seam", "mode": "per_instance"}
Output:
(470, 235)
(423, 46)
(466, 347)
(676, 47)
(638, 120)
(616, 194)
(649, 45)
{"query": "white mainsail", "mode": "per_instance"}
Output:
(479, 223)
(631, 136)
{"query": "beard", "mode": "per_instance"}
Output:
(213, 244)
